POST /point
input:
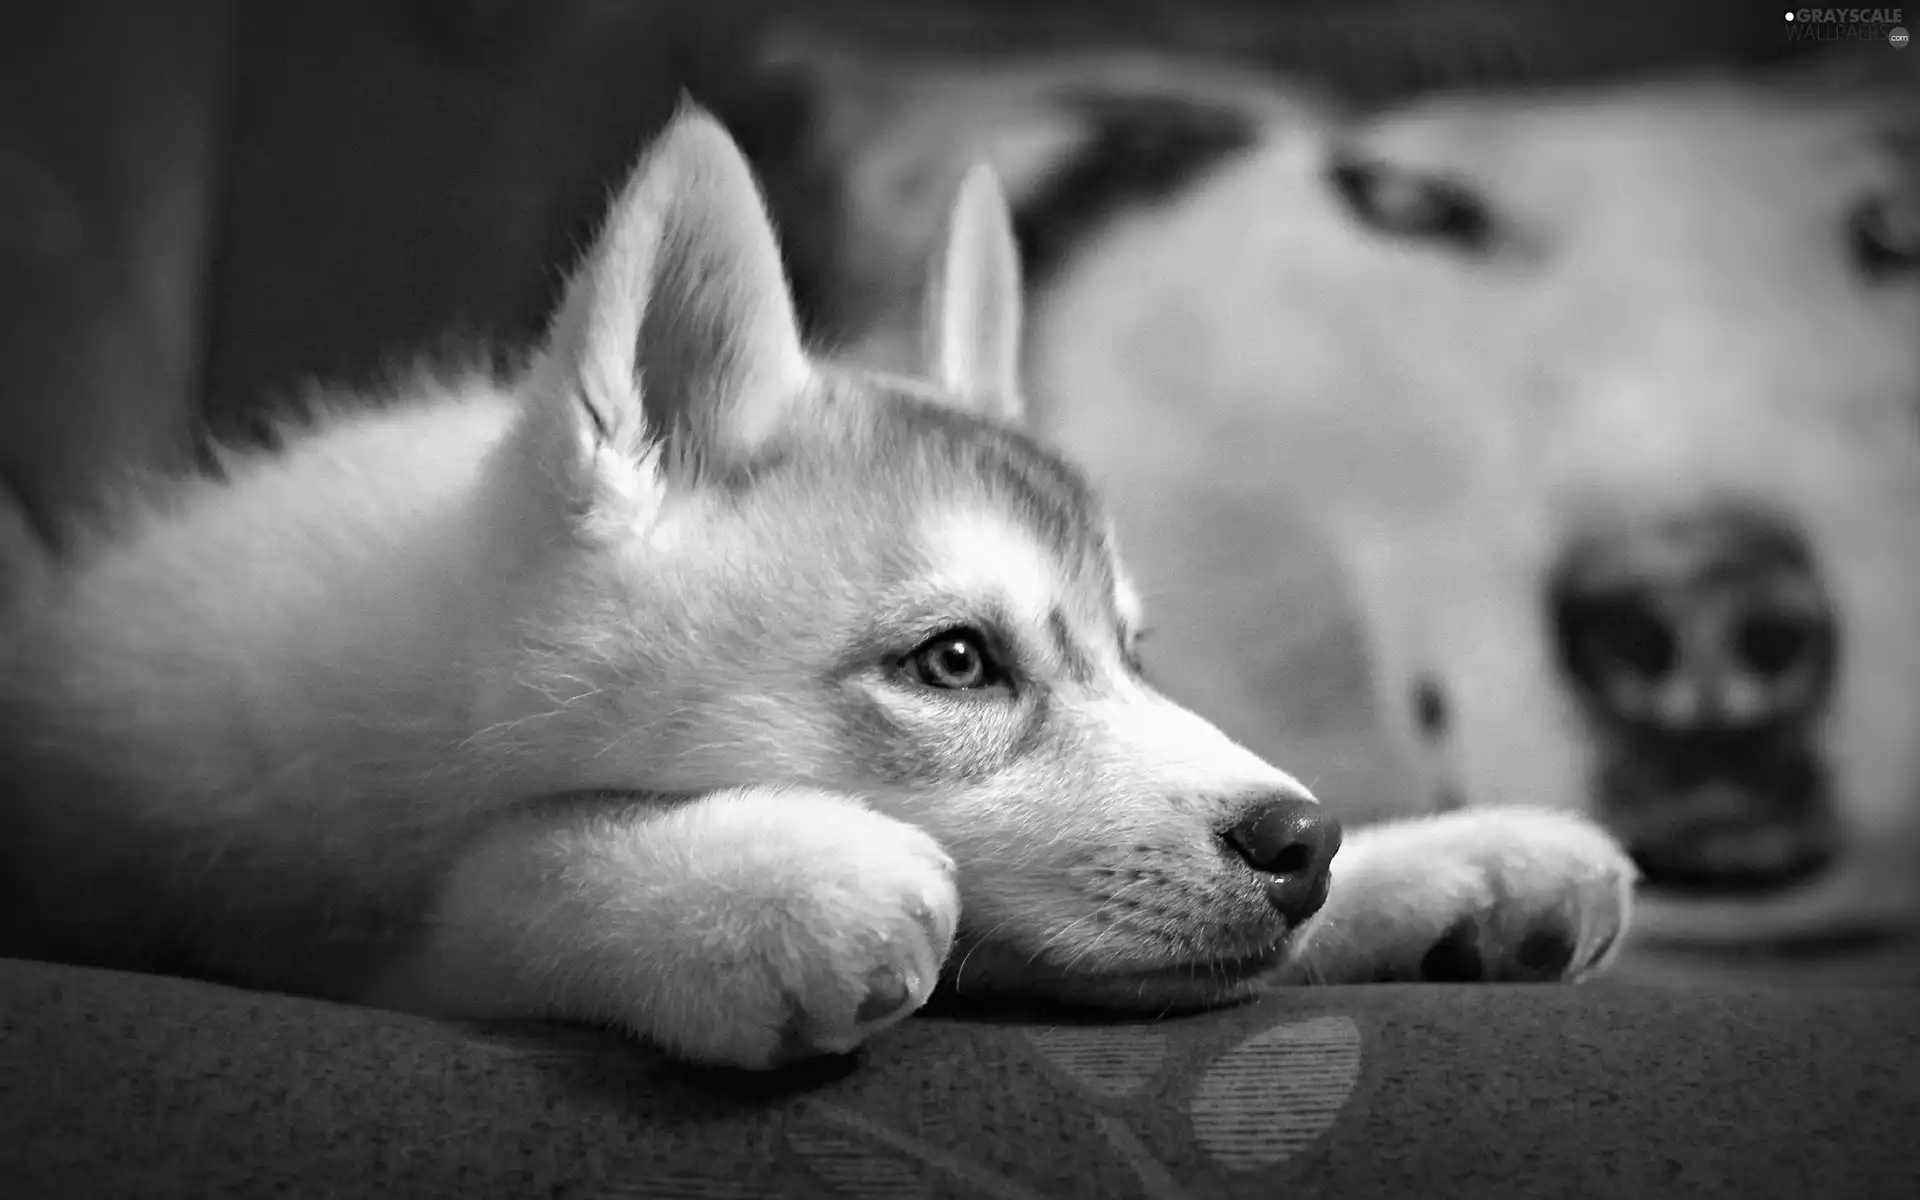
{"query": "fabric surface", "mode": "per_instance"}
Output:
(117, 1085)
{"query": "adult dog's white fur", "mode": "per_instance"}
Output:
(589, 692)
(1255, 377)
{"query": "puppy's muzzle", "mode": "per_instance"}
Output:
(1703, 650)
(1289, 841)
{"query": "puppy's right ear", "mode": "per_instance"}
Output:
(676, 349)
(972, 333)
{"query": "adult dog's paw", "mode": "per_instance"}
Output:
(1494, 895)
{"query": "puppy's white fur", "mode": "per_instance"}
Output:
(583, 692)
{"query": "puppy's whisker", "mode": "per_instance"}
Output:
(974, 944)
(1059, 935)
(1091, 948)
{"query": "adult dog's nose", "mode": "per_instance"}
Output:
(1291, 840)
(1714, 623)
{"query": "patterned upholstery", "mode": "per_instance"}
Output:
(115, 1085)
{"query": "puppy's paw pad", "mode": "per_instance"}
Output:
(1547, 950)
(1455, 958)
(888, 991)
(1561, 896)
(836, 1003)
(1501, 896)
(863, 950)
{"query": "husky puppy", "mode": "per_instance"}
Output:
(688, 684)
(1603, 400)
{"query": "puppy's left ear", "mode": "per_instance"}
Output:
(676, 350)
(971, 339)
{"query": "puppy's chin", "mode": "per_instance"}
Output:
(1004, 977)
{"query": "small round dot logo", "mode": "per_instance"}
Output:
(1898, 38)
(1789, 16)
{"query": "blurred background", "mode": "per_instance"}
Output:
(214, 201)
(204, 204)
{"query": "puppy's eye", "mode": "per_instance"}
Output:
(1411, 205)
(957, 660)
(1884, 237)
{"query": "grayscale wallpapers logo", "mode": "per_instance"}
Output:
(1848, 25)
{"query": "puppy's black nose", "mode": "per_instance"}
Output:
(1292, 840)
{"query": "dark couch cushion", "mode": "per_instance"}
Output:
(118, 1085)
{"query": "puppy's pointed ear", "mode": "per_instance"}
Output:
(973, 314)
(677, 339)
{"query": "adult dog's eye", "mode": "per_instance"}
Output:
(957, 660)
(1409, 204)
(1884, 237)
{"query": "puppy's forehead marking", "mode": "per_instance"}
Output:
(1127, 602)
(978, 552)
(928, 448)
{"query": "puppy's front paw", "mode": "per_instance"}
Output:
(835, 930)
(1494, 895)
